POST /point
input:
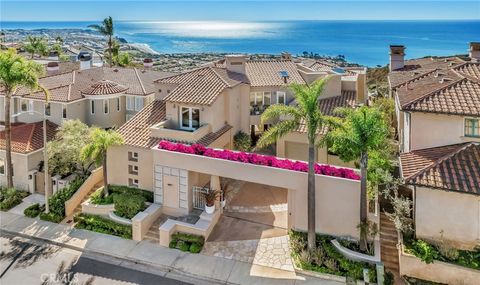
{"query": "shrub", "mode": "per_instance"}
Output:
(183, 245)
(127, 205)
(389, 278)
(10, 198)
(33, 210)
(195, 247)
(57, 200)
(242, 141)
(102, 225)
(98, 198)
(51, 217)
(187, 242)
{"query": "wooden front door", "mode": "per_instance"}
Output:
(171, 191)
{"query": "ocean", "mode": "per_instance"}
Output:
(362, 42)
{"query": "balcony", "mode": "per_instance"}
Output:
(169, 130)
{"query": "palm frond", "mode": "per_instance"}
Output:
(275, 111)
(276, 132)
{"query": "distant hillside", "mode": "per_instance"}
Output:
(377, 80)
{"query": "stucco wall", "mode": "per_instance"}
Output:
(113, 118)
(21, 166)
(118, 162)
(456, 214)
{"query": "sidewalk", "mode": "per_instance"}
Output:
(205, 268)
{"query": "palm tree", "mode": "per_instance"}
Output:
(15, 72)
(106, 29)
(96, 150)
(363, 130)
(306, 112)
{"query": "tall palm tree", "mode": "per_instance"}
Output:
(306, 112)
(364, 130)
(106, 29)
(15, 72)
(96, 150)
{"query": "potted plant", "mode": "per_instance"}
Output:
(224, 191)
(210, 197)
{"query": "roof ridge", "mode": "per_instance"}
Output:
(460, 148)
(180, 74)
(32, 131)
(218, 75)
(433, 92)
(140, 80)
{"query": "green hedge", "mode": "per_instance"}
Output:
(10, 198)
(57, 200)
(187, 242)
(98, 198)
(34, 210)
(102, 225)
(128, 204)
(326, 259)
(428, 253)
(51, 217)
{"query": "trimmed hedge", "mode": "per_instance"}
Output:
(10, 198)
(98, 198)
(34, 210)
(102, 225)
(187, 242)
(57, 200)
(51, 217)
(127, 204)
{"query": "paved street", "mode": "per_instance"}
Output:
(26, 262)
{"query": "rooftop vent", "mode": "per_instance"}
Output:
(52, 67)
(284, 75)
(147, 63)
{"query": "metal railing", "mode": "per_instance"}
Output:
(199, 196)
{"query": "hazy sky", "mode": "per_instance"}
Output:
(75, 10)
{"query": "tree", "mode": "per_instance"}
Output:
(306, 112)
(363, 130)
(15, 72)
(96, 150)
(36, 45)
(123, 59)
(106, 29)
(65, 151)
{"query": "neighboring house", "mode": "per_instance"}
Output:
(438, 113)
(27, 153)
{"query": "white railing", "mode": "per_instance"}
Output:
(199, 197)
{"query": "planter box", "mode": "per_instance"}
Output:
(93, 209)
(437, 271)
(326, 276)
(119, 219)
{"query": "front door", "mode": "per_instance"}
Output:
(170, 191)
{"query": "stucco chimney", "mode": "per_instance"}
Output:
(52, 67)
(147, 63)
(474, 51)
(236, 62)
(286, 56)
(397, 57)
(85, 59)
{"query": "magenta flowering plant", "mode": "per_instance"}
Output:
(258, 159)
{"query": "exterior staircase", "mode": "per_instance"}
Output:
(78, 209)
(153, 234)
(388, 246)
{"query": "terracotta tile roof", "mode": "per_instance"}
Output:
(267, 73)
(67, 87)
(452, 167)
(462, 97)
(213, 136)
(136, 131)
(104, 87)
(326, 67)
(201, 86)
(28, 137)
(328, 106)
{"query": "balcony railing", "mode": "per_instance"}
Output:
(169, 130)
(258, 109)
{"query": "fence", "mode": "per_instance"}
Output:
(199, 197)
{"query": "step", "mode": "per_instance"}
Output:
(388, 236)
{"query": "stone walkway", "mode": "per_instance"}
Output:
(272, 252)
(27, 202)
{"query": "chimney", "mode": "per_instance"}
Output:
(53, 55)
(85, 59)
(52, 67)
(397, 57)
(286, 56)
(147, 63)
(236, 62)
(474, 52)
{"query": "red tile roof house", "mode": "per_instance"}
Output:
(438, 113)
(27, 153)
(207, 106)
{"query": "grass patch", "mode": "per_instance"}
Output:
(10, 198)
(325, 258)
(187, 242)
(34, 210)
(103, 225)
(428, 253)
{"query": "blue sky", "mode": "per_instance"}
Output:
(75, 10)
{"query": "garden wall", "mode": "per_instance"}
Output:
(95, 177)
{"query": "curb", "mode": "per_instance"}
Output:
(166, 269)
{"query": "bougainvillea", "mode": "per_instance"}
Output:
(258, 159)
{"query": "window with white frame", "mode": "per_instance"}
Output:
(190, 118)
(26, 105)
(133, 156)
(48, 109)
(138, 103)
(64, 111)
(2, 166)
(281, 96)
(92, 107)
(130, 103)
(261, 98)
(118, 104)
(267, 98)
(106, 106)
(472, 127)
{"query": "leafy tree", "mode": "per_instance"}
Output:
(363, 130)
(16, 72)
(123, 59)
(106, 29)
(306, 112)
(36, 45)
(65, 151)
(96, 150)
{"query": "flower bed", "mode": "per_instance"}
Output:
(187, 242)
(258, 159)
